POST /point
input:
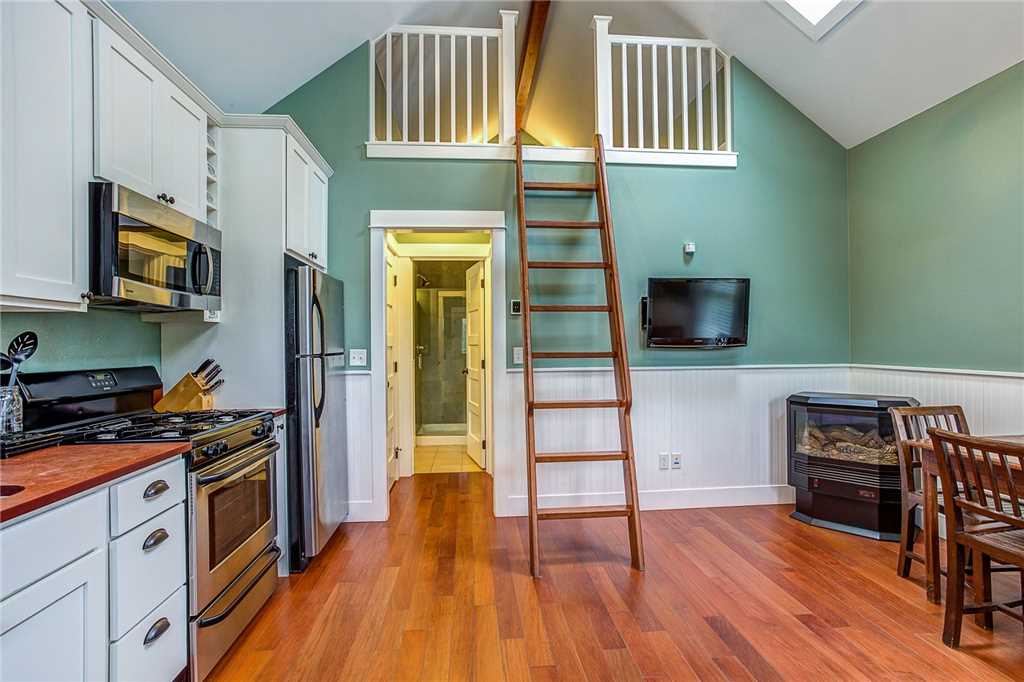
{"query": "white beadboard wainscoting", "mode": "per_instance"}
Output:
(727, 423)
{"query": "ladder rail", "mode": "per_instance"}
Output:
(531, 435)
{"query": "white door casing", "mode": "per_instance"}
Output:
(476, 427)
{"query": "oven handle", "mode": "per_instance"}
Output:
(265, 452)
(213, 620)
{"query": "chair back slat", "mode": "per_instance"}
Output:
(911, 425)
(975, 469)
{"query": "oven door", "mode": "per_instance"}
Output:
(232, 518)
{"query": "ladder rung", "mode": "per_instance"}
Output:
(573, 354)
(555, 513)
(568, 308)
(574, 404)
(566, 265)
(566, 224)
(561, 186)
(607, 456)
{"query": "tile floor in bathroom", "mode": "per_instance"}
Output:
(438, 459)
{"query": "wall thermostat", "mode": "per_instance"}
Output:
(690, 248)
(515, 307)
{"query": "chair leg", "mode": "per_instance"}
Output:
(954, 594)
(908, 532)
(982, 580)
(1022, 595)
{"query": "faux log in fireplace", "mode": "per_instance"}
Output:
(843, 462)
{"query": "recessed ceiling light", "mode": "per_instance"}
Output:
(815, 17)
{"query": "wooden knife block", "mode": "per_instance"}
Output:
(186, 396)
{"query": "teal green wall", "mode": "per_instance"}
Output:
(937, 234)
(96, 339)
(779, 218)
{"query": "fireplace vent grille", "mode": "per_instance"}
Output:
(835, 472)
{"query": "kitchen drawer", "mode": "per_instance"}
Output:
(132, 659)
(36, 547)
(142, 578)
(144, 496)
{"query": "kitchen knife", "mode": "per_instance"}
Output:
(210, 375)
(202, 368)
(217, 384)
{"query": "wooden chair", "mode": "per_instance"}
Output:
(982, 478)
(912, 424)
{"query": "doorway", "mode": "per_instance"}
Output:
(461, 421)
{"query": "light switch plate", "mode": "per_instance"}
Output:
(357, 357)
(663, 461)
(517, 355)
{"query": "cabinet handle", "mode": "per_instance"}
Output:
(155, 539)
(170, 200)
(156, 630)
(162, 196)
(155, 489)
(86, 295)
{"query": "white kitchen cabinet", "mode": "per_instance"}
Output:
(305, 207)
(150, 137)
(46, 116)
(56, 629)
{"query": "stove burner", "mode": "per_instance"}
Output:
(106, 435)
(175, 419)
(226, 418)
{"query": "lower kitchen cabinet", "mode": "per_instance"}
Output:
(84, 599)
(56, 628)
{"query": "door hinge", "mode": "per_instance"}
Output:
(483, 364)
(481, 284)
(394, 282)
(483, 444)
(396, 366)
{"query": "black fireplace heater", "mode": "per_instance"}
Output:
(843, 462)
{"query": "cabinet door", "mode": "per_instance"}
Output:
(56, 629)
(46, 114)
(128, 90)
(181, 151)
(297, 173)
(318, 217)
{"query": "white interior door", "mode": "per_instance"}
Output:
(475, 363)
(391, 362)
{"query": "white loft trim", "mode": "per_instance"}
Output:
(815, 31)
(102, 10)
(941, 370)
(507, 152)
(437, 221)
(698, 368)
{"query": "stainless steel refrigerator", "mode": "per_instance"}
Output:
(317, 433)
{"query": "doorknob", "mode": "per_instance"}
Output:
(465, 371)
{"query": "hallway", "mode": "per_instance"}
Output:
(443, 459)
(442, 592)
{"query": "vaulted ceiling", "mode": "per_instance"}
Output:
(886, 62)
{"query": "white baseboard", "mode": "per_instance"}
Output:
(361, 511)
(440, 440)
(673, 498)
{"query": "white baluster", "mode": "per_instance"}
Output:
(700, 103)
(484, 122)
(714, 99)
(387, 89)
(686, 99)
(469, 88)
(655, 134)
(437, 87)
(728, 103)
(625, 98)
(405, 87)
(419, 87)
(640, 95)
(373, 91)
(451, 88)
(671, 116)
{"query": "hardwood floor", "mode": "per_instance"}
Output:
(442, 592)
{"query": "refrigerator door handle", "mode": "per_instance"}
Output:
(318, 410)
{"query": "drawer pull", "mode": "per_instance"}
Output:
(156, 630)
(155, 489)
(155, 539)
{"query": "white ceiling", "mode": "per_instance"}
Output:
(886, 62)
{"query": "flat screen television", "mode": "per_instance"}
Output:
(696, 313)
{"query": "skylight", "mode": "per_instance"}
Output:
(815, 17)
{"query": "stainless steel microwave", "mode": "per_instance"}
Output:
(146, 255)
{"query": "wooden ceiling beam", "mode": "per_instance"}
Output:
(531, 57)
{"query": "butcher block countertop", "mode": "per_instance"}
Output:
(59, 472)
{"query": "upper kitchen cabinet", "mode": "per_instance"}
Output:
(46, 122)
(306, 207)
(150, 136)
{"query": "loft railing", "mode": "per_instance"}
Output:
(661, 94)
(444, 85)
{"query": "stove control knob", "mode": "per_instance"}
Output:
(259, 430)
(222, 447)
(206, 450)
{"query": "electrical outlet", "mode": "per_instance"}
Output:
(663, 461)
(677, 460)
(517, 355)
(357, 357)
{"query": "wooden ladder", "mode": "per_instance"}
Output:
(623, 400)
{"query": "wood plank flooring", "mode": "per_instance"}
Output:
(442, 592)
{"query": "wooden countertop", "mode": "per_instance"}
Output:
(56, 473)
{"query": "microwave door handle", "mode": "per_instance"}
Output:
(203, 248)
